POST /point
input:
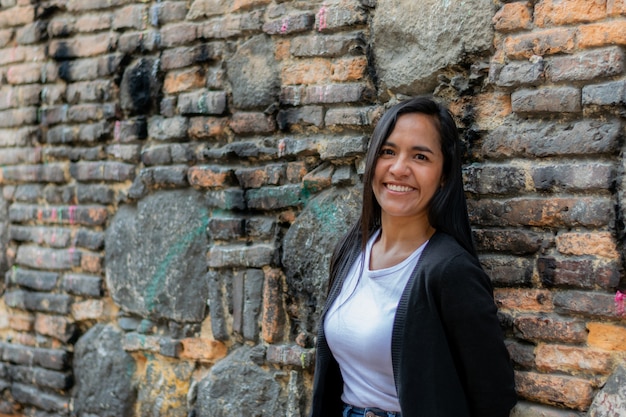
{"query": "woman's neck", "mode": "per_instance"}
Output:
(399, 237)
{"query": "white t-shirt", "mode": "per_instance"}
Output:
(358, 329)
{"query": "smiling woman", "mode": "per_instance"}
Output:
(395, 338)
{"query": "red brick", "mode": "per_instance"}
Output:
(597, 63)
(206, 176)
(544, 42)
(552, 212)
(82, 46)
(571, 392)
(202, 128)
(17, 16)
(602, 34)
(88, 310)
(21, 321)
(290, 24)
(54, 326)
(184, 80)
(203, 350)
(22, 54)
(524, 299)
(607, 336)
(134, 16)
(178, 34)
(550, 328)
(91, 262)
(310, 71)
(512, 17)
(273, 318)
(601, 244)
(246, 4)
(563, 358)
(93, 22)
(567, 12)
(547, 100)
(252, 122)
(257, 177)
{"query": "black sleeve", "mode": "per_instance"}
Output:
(469, 316)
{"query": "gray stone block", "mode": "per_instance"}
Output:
(150, 251)
(103, 372)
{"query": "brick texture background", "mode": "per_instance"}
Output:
(104, 102)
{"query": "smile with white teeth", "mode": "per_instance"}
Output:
(400, 188)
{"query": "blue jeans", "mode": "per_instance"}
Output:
(352, 411)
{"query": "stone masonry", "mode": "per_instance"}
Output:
(175, 173)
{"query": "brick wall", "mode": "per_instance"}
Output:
(257, 109)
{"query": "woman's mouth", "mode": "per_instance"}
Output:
(399, 188)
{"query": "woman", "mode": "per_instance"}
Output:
(410, 326)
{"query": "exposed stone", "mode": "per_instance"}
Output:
(221, 393)
(309, 244)
(414, 41)
(611, 400)
(253, 74)
(103, 373)
(149, 248)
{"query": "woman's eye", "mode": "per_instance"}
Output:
(386, 152)
(421, 157)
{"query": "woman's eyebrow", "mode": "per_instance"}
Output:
(420, 148)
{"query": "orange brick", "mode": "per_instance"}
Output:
(607, 336)
(616, 7)
(491, 109)
(246, 4)
(54, 326)
(600, 34)
(566, 391)
(188, 79)
(565, 12)
(282, 49)
(273, 312)
(599, 243)
(202, 349)
(21, 322)
(512, 17)
(88, 310)
(349, 69)
(91, 262)
(545, 42)
(207, 127)
(306, 72)
(208, 177)
(524, 299)
(563, 358)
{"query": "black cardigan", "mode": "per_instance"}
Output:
(447, 348)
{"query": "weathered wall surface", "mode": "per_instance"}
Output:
(174, 176)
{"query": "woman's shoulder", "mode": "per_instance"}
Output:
(443, 247)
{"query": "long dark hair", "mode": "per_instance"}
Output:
(448, 207)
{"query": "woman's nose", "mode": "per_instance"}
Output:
(399, 166)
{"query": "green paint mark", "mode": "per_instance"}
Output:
(157, 281)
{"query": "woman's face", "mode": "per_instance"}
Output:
(409, 168)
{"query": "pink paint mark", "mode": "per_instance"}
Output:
(281, 148)
(321, 17)
(284, 26)
(39, 215)
(117, 130)
(620, 299)
(72, 212)
(70, 252)
(53, 215)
